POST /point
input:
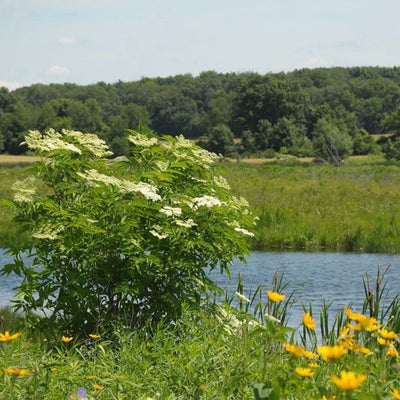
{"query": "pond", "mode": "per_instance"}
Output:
(335, 277)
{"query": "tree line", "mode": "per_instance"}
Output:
(324, 112)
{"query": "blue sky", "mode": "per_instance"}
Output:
(87, 41)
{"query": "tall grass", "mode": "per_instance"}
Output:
(354, 207)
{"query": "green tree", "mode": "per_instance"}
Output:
(331, 144)
(221, 141)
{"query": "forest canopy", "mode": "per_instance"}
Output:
(324, 112)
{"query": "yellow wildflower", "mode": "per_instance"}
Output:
(353, 316)
(304, 372)
(328, 398)
(387, 334)
(313, 365)
(275, 296)
(6, 337)
(392, 352)
(98, 387)
(363, 322)
(309, 354)
(385, 342)
(91, 376)
(297, 351)
(354, 328)
(66, 339)
(348, 380)
(345, 338)
(357, 348)
(308, 321)
(395, 393)
(330, 353)
(94, 336)
(16, 371)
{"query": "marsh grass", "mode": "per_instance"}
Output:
(354, 207)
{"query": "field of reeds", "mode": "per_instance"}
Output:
(301, 205)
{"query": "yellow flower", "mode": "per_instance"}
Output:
(357, 348)
(345, 338)
(16, 371)
(348, 380)
(328, 398)
(98, 387)
(94, 336)
(313, 365)
(297, 351)
(304, 372)
(6, 337)
(363, 322)
(66, 339)
(330, 353)
(309, 354)
(308, 321)
(275, 296)
(395, 393)
(387, 334)
(91, 376)
(385, 342)
(392, 352)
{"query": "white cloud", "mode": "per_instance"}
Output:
(10, 85)
(57, 70)
(66, 41)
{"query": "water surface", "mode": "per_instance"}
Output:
(335, 277)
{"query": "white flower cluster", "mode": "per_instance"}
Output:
(205, 156)
(244, 231)
(47, 232)
(158, 233)
(206, 201)
(180, 142)
(24, 190)
(221, 182)
(48, 142)
(142, 140)
(91, 142)
(125, 186)
(186, 224)
(147, 190)
(162, 165)
(171, 211)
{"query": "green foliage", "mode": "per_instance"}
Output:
(122, 241)
(354, 98)
(221, 141)
(391, 148)
(331, 144)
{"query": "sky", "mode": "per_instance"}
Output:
(88, 41)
